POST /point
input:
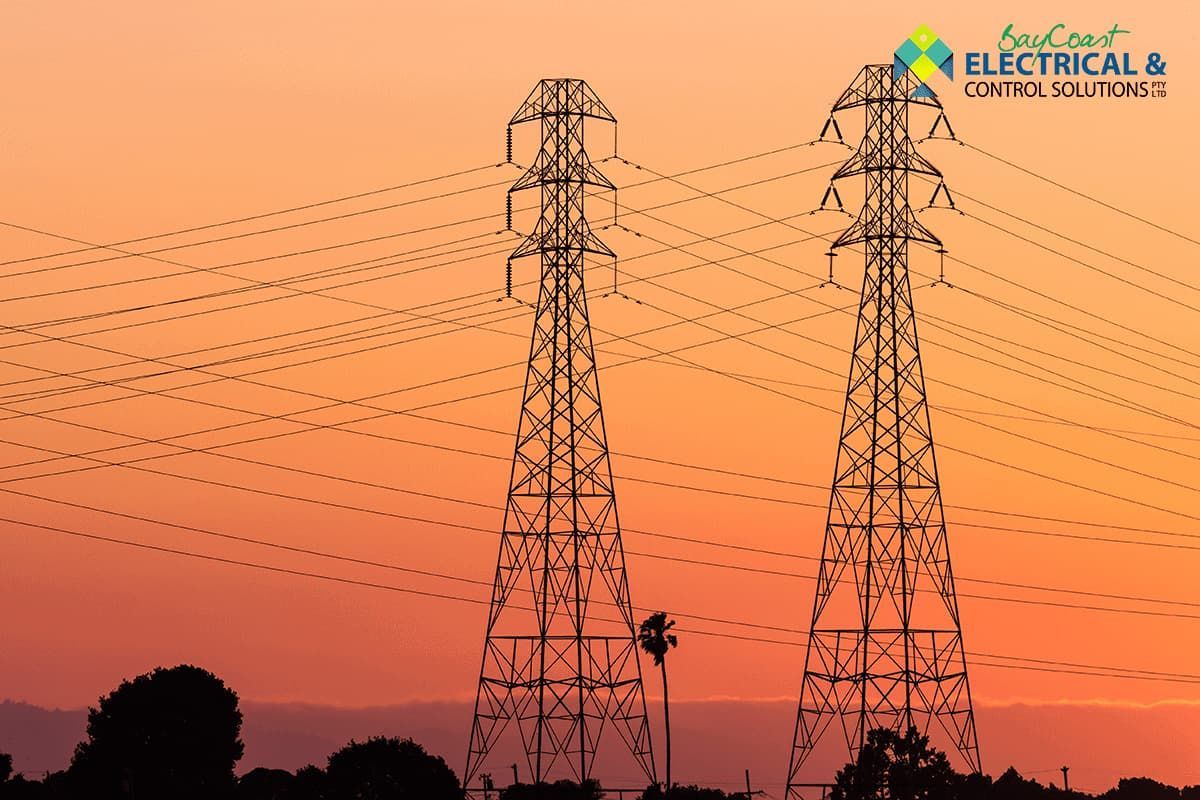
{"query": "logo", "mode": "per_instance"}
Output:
(923, 54)
(1065, 62)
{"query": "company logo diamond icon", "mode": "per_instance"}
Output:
(923, 54)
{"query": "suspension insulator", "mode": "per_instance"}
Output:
(508, 279)
(508, 145)
(508, 212)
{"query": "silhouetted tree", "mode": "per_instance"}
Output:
(894, 767)
(170, 734)
(686, 793)
(389, 769)
(309, 784)
(559, 790)
(1011, 786)
(655, 638)
(1141, 789)
(265, 784)
(18, 788)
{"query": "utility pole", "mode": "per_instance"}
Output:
(560, 677)
(1066, 781)
(885, 647)
(750, 793)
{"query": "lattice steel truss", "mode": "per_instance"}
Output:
(886, 645)
(560, 661)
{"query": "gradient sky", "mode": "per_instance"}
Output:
(129, 119)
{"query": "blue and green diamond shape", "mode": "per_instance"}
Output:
(923, 54)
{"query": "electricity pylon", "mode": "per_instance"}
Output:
(560, 661)
(885, 646)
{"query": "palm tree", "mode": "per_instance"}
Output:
(656, 639)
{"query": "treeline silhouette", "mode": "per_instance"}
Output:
(175, 734)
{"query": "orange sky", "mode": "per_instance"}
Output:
(131, 119)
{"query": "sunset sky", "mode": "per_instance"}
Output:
(1063, 369)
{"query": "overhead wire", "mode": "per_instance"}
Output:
(1078, 193)
(1096, 670)
(226, 222)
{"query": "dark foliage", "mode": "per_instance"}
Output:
(172, 733)
(265, 784)
(686, 793)
(388, 769)
(308, 784)
(559, 790)
(891, 766)
(1142, 789)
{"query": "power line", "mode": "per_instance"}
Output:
(1079, 193)
(171, 248)
(223, 223)
(233, 291)
(1070, 306)
(173, 368)
(825, 343)
(241, 409)
(1111, 672)
(1110, 373)
(330, 201)
(1073, 484)
(661, 483)
(1116, 400)
(755, 497)
(1048, 417)
(382, 412)
(1141, 443)
(376, 329)
(971, 453)
(748, 209)
(1074, 331)
(151, 253)
(1107, 273)
(386, 565)
(219, 377)
(959, 195)
(684, 184)
(387, 310)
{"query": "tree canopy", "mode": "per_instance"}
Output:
(389, 769)
(891, 766)
(171, 733)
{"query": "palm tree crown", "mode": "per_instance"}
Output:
(655, 637)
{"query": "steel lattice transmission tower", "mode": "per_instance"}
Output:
(560, 662)
(885, 647)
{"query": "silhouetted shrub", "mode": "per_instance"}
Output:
(559, 790)
(388, 769)
(1141, 789)
(172, 733)
(896, 767)
(265, 784)
(691, 792)
(309, 784)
